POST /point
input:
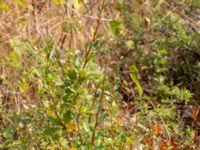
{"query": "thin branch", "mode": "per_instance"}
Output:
(95, 34)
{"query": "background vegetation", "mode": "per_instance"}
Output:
(99, 74)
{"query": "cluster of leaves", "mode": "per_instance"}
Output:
(71, 100)
(166, 53)
(55, 97)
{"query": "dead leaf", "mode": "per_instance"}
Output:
(148, 142)
(197, 140)
(195, 112)
(139, 1)
(147, 22)
(128, 106)
(157, 129)
(71, 127)
(168, 144)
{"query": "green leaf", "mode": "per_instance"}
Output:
(116, 27)
(103, 116)
(78, 4)
(129, 141)
(135, 78)
(54, 120)
(59, 2)
(8, 133)
(19, 46)
(162, 51)
(26, 119)
(50, 131)
(72, 74)
(68, 116)
(14, 56)
(24, 87)
(4, 6)
(134, 72)
(21, 3)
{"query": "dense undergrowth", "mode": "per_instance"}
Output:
(83, 74)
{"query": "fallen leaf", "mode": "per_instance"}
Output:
(197, 140)
(168, 144)
(139, 1)
(195, 112)
(157, 129)
(148, 142)
(147, 22)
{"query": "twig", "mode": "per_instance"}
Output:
(95, 34)
(97, 114)
(60, 119)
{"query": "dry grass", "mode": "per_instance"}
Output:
(42, 19)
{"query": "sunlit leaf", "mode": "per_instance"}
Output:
(58, 2)
(24, 87)
(71, 127)
(129, 141)
(49, 111)
(78, 4)
(4, 6)
(116, 27)
(135, 77)
(53, 146)
(21, 3)
(73, 148)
